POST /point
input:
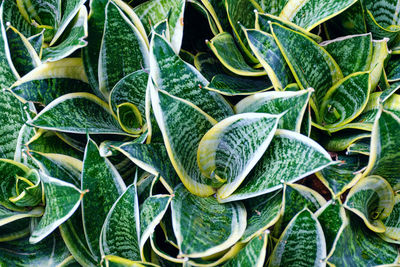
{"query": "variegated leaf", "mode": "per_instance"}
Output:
(289, 158)
(372, 199)
(291, 104)
(192, 215)
(178, 78)
(104, 187)
(302, 243)
(62, 200)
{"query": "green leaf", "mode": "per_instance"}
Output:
(10, 170)
(289, 158)
(273, 7)
(49, 252)
(44, 91)
(91, 52)
(310, 13)
(12, 14)
(72, 39)
(387, 93)
(392, 223)
(23, 55)
(62, 200)
(385, 155)
(193, 216)
(233, 86)
(311, 65)
(342, 140)
(339, 178)
(28, 190)
(208, 65)
(372, 199)
(381, 52)
(152, 12)
(178, 78)
(104, 187)
(231, 148)
(74, 238)
(302, 242)
(333, 219)
(151, 212)
(9, 217)
(69, 11)
(182, 142)
(263, 24)
(263, 212)
(224, 47)
(16, 230)
(120, 235)
(345, 100)
(267, 52)
(360, 147)
(352, 53)
(296, 198)
(12, 118)
(122, 51)
(152, 158)
(393, 69)
(253, 254)
(240, 12)
(8, 73)
(78, 113)
(292, 104)
(359, 246)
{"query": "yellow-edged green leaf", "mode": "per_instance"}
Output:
(385, 153)
(71, 40)
(233, 86)
(359, 246)
(231, 148)
(182, 142)
(289, 158)
(104, 187)
(292, 104)
(310, 13)
(352, 53)
(152, 12)
(339, 178)
(263, 212)
(297, 197)
(78, 113)
(62, 200)
(120, 232)
(311, 65)
(224, 47)
(178, 78)
(267, 52)
(115, 261)
(10, 170)
(49, 252)
(152, 158)
(263, 24)
(23, 55)
(122, 51)
(392, 223)
(151, 212)
(372, 199)
(333, 219)
(193, 215)
(302, 243)
(240, 12)
(345, 100)
(9, 217)
(253, 254)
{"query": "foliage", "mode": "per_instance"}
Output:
(126, 140)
